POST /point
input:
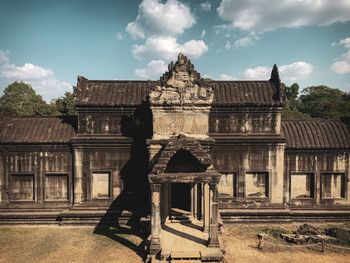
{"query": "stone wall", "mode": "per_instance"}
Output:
(254, 167)
(39, 178)
(245, 121)
(2, 178)
(327, 182)
(99, 161)
(100, 122)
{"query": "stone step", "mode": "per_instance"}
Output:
(180, 216)
(93, 208)
(180, 221)
(185, 261)
(184, 255)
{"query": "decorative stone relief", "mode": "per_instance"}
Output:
(182, 85)
(181, 101)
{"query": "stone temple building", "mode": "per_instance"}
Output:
(182, 148)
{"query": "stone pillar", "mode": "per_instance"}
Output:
(213, 232)
(202, 202)
(164, 208)
(78, 176)
(2, 180)
(206, 208)
(155, 220)
(194, 200)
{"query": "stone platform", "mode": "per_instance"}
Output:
(186, 241)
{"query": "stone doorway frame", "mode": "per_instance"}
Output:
(209, 179)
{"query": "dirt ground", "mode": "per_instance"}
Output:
(241, 242)
(81, 244)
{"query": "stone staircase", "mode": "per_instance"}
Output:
(180, 216)
(75, 215)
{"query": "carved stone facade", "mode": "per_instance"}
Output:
(181, 102)
(186, 134)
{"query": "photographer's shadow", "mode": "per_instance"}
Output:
(126, 214)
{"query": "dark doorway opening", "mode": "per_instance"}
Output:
(184, 162)
(181, 196)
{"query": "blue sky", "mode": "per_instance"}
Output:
(49, 43)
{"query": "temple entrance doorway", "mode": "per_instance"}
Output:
(181, 197)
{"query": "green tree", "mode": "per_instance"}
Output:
(291, 111)
(65, 105)
(288, 114)
(325, 102)
(21, 98)
(292, 95)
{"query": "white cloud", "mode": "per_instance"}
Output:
(167, 48)
(4, 57)
(158, 19)
(27, 71)
(289, 72)
(341, 67)
(259, 72)
(41, 79)
(206, 6)
(345, 56)
(342, 63)
(50, 88)
(228, 44)
(120, 36)
(267, 15)
(345, 42)
(243, 42)
(296, 70)
(206, 76)
(155, 68)
(159, 23)
(226, 77)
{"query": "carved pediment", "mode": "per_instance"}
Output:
(182, 85)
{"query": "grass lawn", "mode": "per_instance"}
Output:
(81, 244)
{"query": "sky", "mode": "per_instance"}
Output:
(48, 43)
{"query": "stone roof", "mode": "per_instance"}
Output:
(249, 93)
(111, 93)
(132, 93)
(185, 143)
(183, 77)
(5, 117)
(205, 171)
(38, 130)
(299, 134)
(316, 134)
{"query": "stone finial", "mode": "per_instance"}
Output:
(81, 82)
(81, 79)
(183, 64)
(275, 76)
(276, 81)
(181, 58)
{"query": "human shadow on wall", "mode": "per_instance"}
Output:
(133, 203)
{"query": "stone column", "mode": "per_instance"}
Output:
(155, 220)
(202, 201)
(2, 180)
(78, 176)
(213, 232)
(206, 207)
(194, 200)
